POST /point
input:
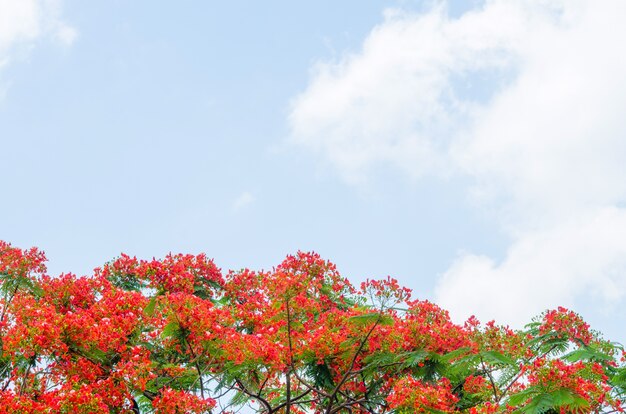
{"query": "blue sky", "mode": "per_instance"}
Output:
(473, 150)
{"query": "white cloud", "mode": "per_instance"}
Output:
(19, 21)
(395, 101)
(66, 34)
(543, 137)
(23, 22)
(544, 268)
(244, 199)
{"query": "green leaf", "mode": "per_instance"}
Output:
(579, 404)
(562, 396)
(432, 368)
(532, 325)
(201, 292)
(462, 366)
(239, 399)
(369, 318)
(461, 352)
(223, 301)
(414, 358)
(149, 309)
(548, 337)
(36, 290)
(619, 378)
(540, 404)
(126, 281)
(496, 357)
(521, 397)
(145, 405)
(322, 377)
(434, 410)
(171, 329)
(586, 354)
(565, 397)
(96, 354)
(380, 358)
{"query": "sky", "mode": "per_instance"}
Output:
(474, 150)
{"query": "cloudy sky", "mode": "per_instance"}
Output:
(475, 150)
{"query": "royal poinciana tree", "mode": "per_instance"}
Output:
(178, 336)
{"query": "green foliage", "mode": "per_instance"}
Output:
(587, 353)
(534, 401)
(321, 375)
(372, 318)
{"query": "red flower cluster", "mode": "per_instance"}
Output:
(414, 396)
(177, 336)
(566, 324)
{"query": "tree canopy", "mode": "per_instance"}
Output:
(177, 335)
